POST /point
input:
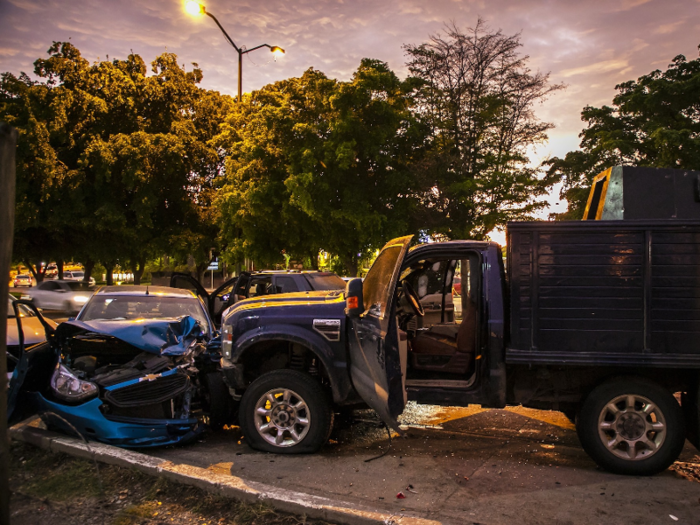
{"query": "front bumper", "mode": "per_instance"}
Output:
(88, 421)
(233, 374)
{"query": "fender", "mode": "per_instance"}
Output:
(333, 360)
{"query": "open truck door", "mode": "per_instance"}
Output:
(218, 300)
(375, 358)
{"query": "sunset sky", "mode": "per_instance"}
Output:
(588, 45)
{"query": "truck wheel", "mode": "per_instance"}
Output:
(631, 426)
(287, 412)
(218, 404)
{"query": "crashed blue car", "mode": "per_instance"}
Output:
(132, 381)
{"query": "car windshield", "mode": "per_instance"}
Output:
(78, 275)
(118, 307)
(325, 281)
(79, 286)
(23, 310)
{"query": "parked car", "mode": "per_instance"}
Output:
(255, 285)
(66, 296)
(22, 279)
(138, 368)
(77, 275)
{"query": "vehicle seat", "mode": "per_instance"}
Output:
(446, 347)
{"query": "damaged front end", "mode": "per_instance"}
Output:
(131, 383)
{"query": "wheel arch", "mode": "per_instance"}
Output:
(277, 349)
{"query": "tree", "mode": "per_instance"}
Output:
(477, 99)
(653, 122)
(109, 152)
(316, 163)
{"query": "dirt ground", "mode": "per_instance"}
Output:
(52, 489)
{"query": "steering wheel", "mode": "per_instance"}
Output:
(413, 298)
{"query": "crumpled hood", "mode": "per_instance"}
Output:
(156, 336)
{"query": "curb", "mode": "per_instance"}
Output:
(283, 500)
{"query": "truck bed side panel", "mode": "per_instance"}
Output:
(627, 292)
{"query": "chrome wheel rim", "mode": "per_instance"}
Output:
(632, 427)
(282, 417)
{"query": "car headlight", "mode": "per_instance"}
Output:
(68, 387)
(80, 299)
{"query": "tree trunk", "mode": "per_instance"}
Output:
(8, 143)
(137, 268)
(313, 258)
(109, 269)
(59, 266)
(89, 266)
(37, 270)
(350, 264)
(200, 269)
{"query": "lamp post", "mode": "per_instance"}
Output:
(195, 8)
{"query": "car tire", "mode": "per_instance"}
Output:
(631, 426)
(286, 412)
(218, 404)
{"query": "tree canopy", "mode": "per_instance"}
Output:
(653, 121)
(112, 162)
(118, 164)
(477, 99)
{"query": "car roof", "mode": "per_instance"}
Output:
(164, 291)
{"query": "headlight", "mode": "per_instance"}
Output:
(69, 388)
(226, 341)
(80, 299)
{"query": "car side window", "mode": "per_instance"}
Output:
(260, 286)
(286, 285)
(50, 286)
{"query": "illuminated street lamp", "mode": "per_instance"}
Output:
(196, 9)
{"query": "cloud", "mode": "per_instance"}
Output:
(598, 67)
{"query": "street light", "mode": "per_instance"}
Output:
(196, 9)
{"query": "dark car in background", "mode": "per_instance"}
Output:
(255, 285)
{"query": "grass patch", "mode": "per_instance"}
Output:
(57, 488)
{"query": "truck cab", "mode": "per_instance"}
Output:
(427, 323)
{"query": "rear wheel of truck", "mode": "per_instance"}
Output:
(287, 412)
(631, 426)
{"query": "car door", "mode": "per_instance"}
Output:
(375, 360)
(218, 300)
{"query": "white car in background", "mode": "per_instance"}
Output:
(76, 275)
(67, 296)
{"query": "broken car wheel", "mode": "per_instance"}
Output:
(631, 426)
(287, 412)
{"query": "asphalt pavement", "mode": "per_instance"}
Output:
(461, 465)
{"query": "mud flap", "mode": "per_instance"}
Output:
(690, 403)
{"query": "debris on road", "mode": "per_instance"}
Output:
(400, 495)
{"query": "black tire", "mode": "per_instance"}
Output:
(218, 404)
(284, 419)
(615, 422)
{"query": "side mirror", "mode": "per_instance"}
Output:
(354, 304)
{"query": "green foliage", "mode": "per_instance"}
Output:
(316, 163)
(109, 153)
(653, 122)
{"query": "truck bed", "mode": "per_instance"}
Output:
(604, 292)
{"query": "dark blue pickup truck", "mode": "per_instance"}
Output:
(597, 319)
